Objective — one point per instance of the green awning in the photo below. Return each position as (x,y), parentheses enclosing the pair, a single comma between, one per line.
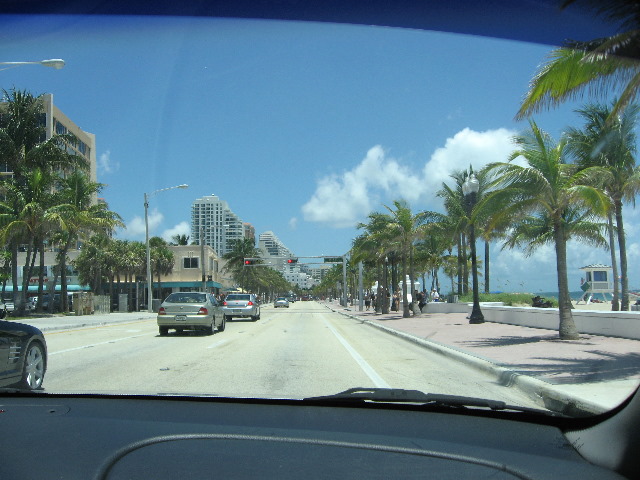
(34,288)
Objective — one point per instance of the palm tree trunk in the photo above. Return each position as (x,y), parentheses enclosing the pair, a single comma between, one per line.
(414,303)
(465,266)
(459,247)
(567,327)
(622,245)
(405,300)
(14,271)
(486,267)
(41,276)
(615,301)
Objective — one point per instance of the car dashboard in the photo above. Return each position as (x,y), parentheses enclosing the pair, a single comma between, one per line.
(101,437)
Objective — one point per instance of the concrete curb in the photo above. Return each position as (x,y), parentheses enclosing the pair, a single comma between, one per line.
(541,392)
(80,324)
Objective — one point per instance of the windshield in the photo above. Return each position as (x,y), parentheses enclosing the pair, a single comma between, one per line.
(186,298)
(389,179)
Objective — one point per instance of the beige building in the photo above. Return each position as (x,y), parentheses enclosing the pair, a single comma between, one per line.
(188,272)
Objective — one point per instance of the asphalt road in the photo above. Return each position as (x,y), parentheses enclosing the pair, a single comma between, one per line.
(302,351)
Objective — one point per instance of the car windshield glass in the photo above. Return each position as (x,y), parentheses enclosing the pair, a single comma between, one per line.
(442,231)
(239,297)
(186,298)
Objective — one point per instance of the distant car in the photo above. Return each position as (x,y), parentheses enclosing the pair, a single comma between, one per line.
(3,309)
(241,305)
(23,356)
(281,302)
(305,298)
(292,299)
(190,311)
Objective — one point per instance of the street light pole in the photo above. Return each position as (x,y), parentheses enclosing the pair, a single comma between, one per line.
(470,189)
(56,63)
(146,234)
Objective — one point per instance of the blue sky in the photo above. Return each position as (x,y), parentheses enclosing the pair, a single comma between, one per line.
(302,128)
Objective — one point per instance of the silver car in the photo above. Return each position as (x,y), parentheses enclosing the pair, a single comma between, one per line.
(281,302)
(190,310)
(241,305)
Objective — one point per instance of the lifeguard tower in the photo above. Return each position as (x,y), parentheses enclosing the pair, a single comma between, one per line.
(596,281)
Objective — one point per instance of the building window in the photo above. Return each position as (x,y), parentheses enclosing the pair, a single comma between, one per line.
(190,262)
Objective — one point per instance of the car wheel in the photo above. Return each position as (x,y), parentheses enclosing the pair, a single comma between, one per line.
(33,370)
(229,318)
(163,331)
(3,313)
(209,330)
(223,324)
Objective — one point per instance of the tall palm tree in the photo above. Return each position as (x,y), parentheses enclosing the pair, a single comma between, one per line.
(78,217)
(594,66)
(376,243)
(241,249)
(406,228)
(546,187)
(610,142)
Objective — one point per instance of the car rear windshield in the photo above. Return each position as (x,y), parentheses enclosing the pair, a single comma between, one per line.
(186,298)
(238,297)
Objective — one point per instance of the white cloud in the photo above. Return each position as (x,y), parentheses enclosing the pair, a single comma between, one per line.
(293,223)
(343,200)
(465,148)
(106,165)
(135,228)
(183,228)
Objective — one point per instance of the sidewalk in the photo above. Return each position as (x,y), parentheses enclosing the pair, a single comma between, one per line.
(592,374)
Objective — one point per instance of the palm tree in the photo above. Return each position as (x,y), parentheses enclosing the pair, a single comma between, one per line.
(78,218)
(180,239)
(375,244)
(406,228)
(550,189)
(595,66)
(610,142)
(241,249)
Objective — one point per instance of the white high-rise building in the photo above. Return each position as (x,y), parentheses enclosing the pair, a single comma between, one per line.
(218,224)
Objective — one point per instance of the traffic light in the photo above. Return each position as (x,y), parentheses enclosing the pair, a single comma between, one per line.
(292,260)
(249,261)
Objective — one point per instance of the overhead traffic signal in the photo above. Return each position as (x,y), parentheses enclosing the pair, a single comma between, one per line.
(292,260)
(249,261)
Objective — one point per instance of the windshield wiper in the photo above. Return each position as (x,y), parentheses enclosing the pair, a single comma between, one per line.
(401,395)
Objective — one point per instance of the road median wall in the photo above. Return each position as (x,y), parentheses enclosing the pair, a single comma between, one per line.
(607,323)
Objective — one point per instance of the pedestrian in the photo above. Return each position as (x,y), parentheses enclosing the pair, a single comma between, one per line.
(421,300)
(367,302)
(435,295)
(394,302)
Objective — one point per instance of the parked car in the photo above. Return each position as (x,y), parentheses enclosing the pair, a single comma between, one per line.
(190,311)
(23,356)
(281,302)
(241,305)
(3,309)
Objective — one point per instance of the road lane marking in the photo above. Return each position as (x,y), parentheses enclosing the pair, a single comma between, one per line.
(368,369)
(95,344)
(94,327)
(217,344)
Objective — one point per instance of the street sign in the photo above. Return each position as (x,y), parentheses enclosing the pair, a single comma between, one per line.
(332,259)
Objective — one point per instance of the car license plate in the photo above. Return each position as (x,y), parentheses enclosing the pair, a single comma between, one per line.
(236,310)
(181,318)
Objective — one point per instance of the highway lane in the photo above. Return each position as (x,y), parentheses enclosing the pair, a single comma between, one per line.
(305,350)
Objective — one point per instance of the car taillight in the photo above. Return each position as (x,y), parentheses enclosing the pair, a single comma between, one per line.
(162,311)
(249,303)
(203,311)
(224,303)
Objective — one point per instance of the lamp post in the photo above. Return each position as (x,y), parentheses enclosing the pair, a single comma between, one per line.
(56,63)
(470,190)
(146,231)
